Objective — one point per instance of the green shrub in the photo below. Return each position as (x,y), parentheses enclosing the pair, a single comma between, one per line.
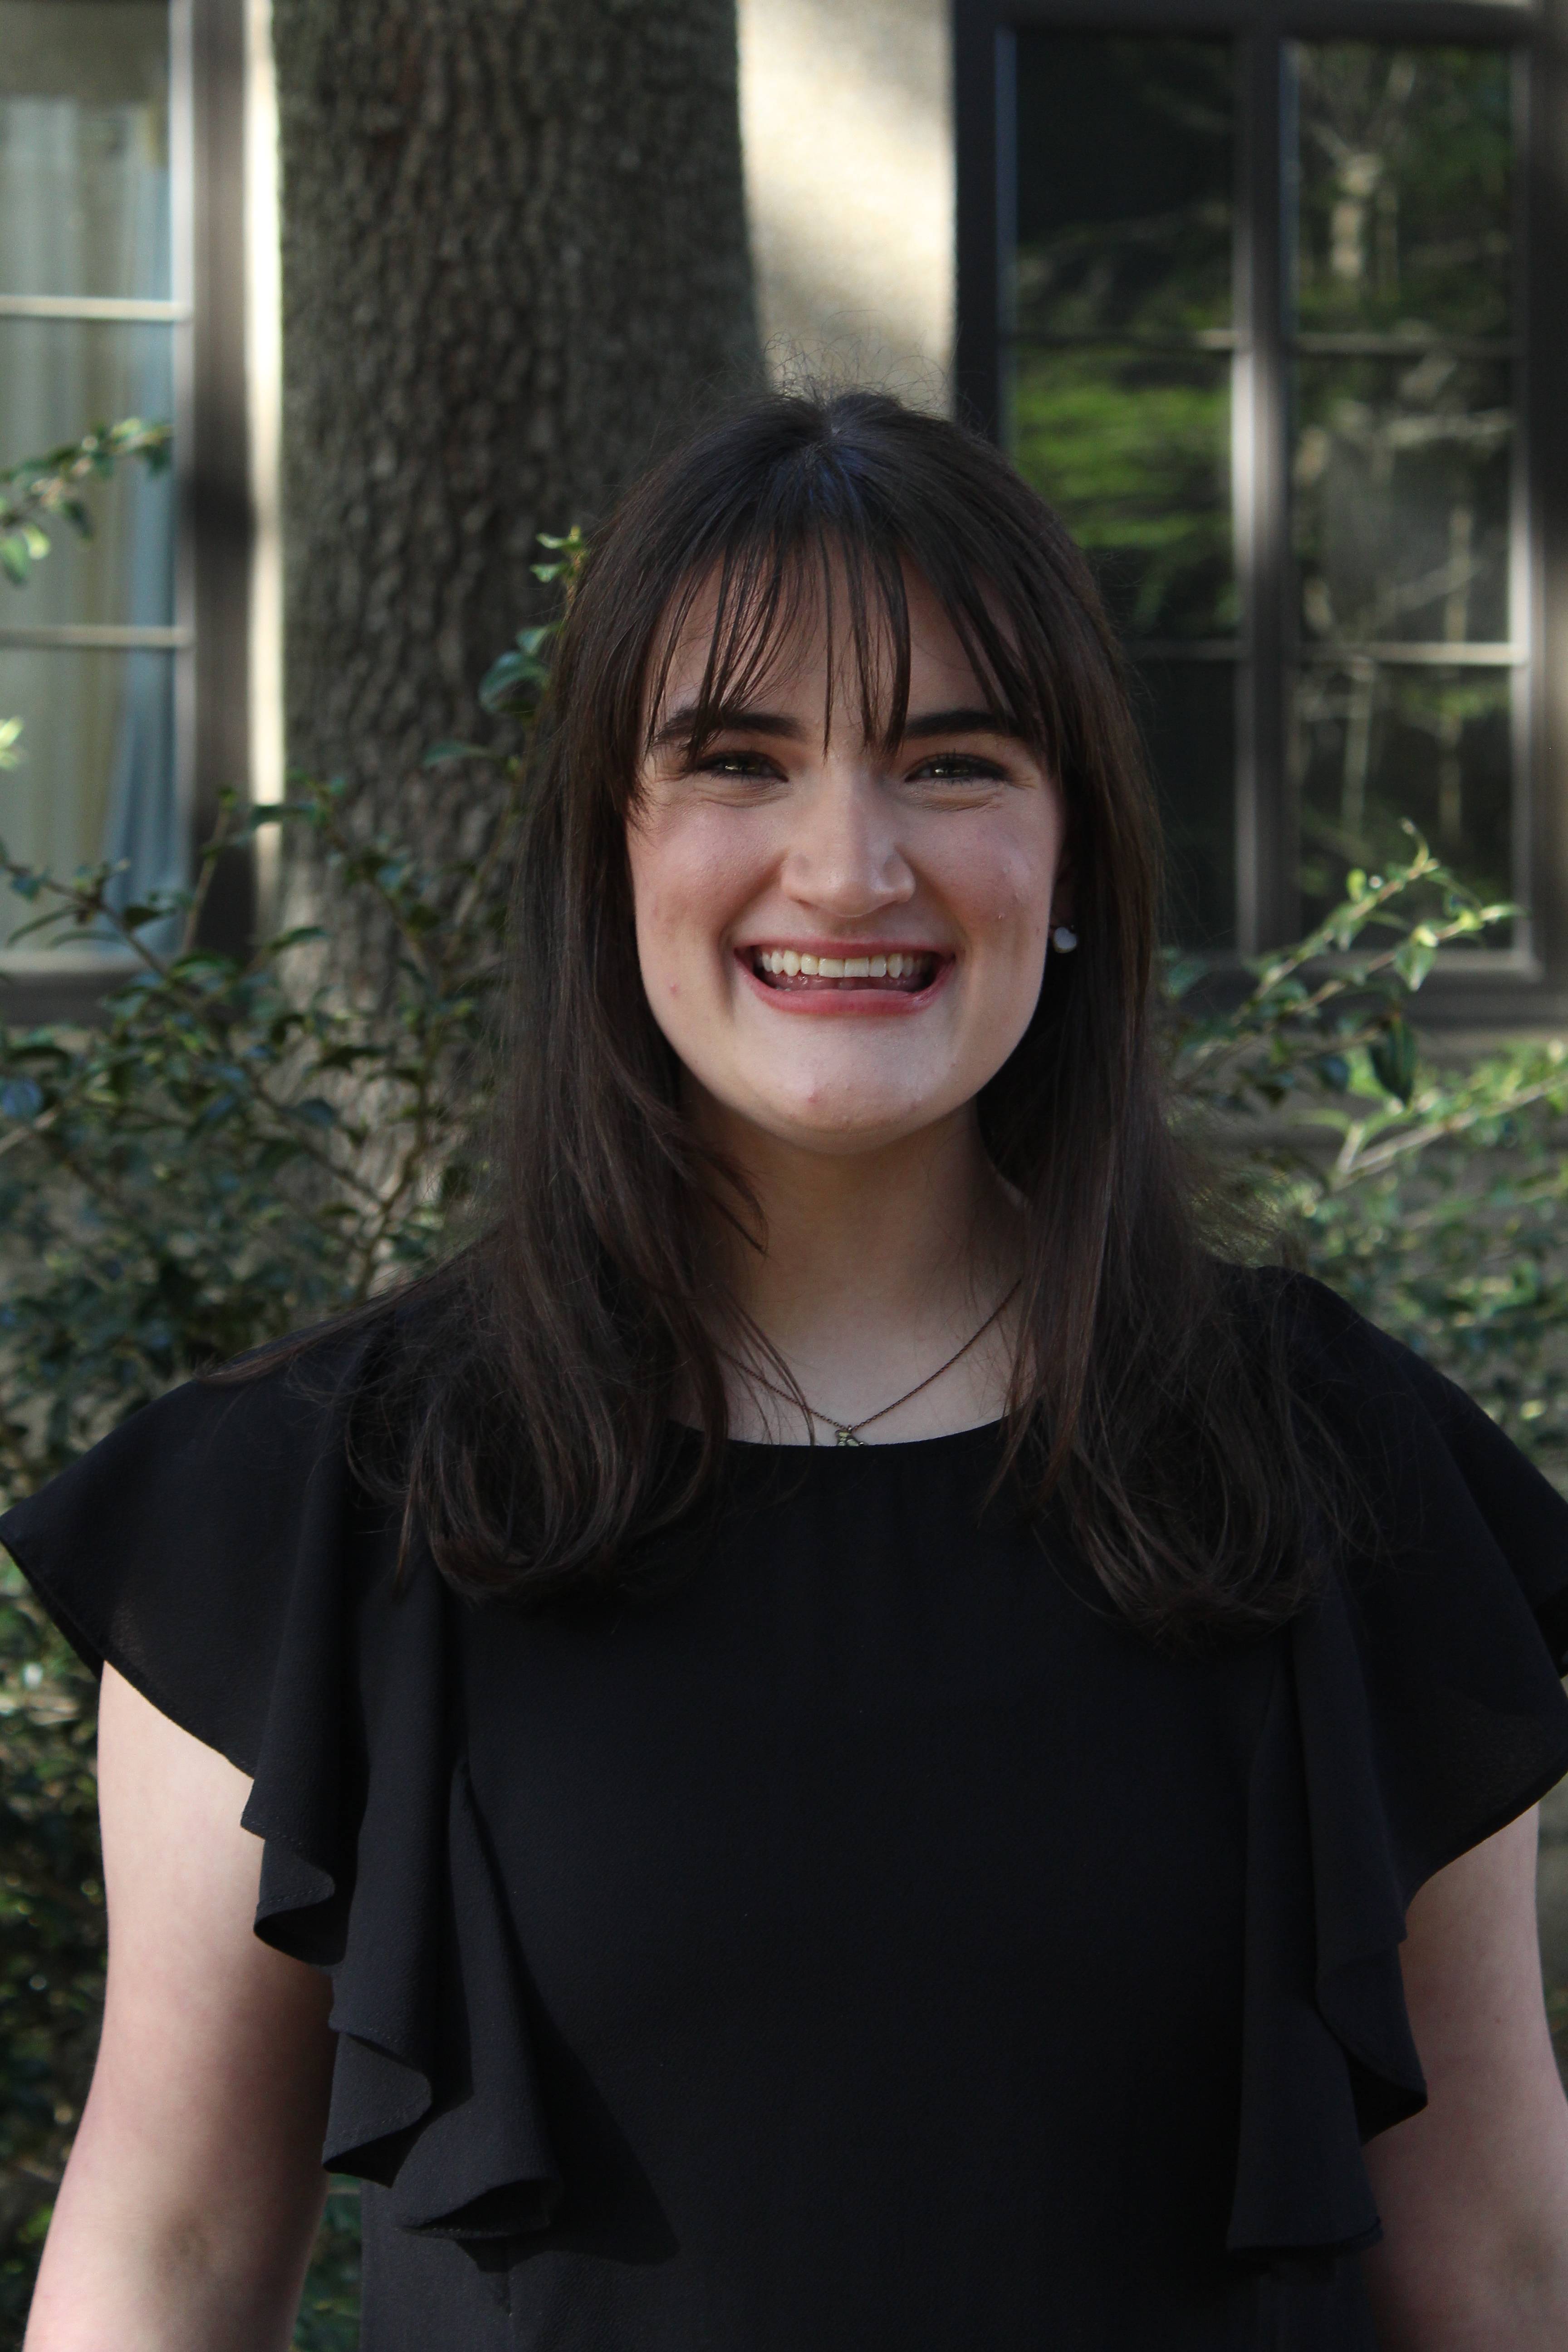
(1432,1192)
(238,1148)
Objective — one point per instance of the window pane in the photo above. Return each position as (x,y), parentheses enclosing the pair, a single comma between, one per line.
(97,774)
(1405,189)
(1134,450)
(1376,743)
(84,148)
(1188,714)
(57,377)
(1402,498)
(1125,170)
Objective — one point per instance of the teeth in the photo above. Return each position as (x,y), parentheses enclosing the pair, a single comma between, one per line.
(787,963)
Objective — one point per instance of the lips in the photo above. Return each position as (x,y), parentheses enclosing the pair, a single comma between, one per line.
(899,971)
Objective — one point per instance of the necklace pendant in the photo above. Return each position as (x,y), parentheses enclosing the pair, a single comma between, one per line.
(846,1437)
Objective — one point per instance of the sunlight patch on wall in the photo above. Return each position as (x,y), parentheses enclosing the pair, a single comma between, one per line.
(847,119)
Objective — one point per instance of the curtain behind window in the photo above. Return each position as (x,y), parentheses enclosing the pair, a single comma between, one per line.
(85,214)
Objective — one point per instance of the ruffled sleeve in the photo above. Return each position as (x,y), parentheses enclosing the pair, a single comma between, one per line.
(1416,1709)
(218,1552)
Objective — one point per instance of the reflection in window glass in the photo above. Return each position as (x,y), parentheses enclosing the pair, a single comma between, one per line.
(1132,448)
(1406,162)
(1402,456)
(1121,407)
(1398,388)
(1125,170)
(1120,401)
(84,148)
(1378,745)
(1402,498)
(1188,715)
(97,775)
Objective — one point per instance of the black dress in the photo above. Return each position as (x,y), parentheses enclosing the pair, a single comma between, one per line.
(860,1942)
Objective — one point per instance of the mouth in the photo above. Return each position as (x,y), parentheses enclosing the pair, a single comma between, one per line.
(900,971)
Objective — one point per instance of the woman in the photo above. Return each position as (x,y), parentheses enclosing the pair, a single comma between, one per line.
(828,1736)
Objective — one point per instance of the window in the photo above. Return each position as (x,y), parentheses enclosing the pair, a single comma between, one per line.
(1243,290)
(92,310)
(122,276)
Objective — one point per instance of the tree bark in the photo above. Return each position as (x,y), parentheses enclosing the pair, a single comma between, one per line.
(514,253)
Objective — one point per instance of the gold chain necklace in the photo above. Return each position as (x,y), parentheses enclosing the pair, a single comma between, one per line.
(848,1433)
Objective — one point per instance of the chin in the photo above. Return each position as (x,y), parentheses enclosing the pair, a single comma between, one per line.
(843,1131)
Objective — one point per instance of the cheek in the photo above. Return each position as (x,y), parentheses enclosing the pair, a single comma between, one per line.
(692,878)
(1000,887)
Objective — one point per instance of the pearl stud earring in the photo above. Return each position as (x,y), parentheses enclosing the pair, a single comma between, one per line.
(1063,940)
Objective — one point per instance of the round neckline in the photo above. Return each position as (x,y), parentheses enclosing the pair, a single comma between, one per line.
(774,1451)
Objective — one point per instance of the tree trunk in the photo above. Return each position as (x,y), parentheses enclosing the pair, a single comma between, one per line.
(515,252)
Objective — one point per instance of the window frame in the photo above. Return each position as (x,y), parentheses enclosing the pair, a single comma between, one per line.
(209,637)
(1528,983)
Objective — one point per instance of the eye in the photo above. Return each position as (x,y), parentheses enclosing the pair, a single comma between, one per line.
(957,767)
(753,766)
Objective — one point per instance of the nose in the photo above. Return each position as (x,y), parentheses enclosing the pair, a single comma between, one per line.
(844,856)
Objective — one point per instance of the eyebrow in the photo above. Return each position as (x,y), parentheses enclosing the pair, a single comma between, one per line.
(728,719)
(961,722)
(734,718)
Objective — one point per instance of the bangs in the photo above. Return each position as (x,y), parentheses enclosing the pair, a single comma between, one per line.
(812,556)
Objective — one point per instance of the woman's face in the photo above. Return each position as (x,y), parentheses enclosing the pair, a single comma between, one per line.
(843,945)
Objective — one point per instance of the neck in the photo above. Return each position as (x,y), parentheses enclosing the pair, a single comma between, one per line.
(876,1265)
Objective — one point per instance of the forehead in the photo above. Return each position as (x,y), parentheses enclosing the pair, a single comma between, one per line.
(816,634)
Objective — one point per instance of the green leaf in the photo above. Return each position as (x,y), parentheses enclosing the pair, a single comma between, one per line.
(512,682)
(441,755)
(302,935)
(1395,1055)
(1414,958)
(21,1099)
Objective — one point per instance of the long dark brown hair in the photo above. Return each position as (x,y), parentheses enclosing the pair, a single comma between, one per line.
(530,1380)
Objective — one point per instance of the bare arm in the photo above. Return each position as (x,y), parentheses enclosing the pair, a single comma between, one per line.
(1474,2192)
(184,2220)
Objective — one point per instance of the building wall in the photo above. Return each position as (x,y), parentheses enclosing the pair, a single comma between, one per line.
(846,117)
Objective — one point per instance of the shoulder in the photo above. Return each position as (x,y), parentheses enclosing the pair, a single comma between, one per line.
(1340,1363)
(1441,1500)
(182,1546)
(1322,1330)
(278,1412)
